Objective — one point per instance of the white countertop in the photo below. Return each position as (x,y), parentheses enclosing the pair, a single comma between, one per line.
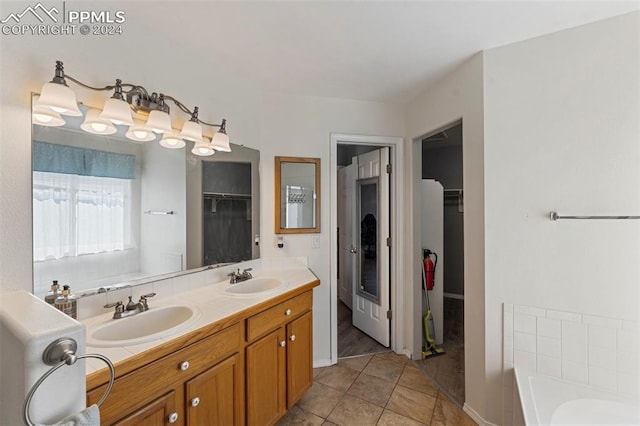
(210,301)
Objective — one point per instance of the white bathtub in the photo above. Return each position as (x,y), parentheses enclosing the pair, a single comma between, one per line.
(549,401)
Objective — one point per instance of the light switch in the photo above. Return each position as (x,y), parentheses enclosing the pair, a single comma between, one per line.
(315,242)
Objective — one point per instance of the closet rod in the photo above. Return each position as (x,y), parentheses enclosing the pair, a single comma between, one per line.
(556,216)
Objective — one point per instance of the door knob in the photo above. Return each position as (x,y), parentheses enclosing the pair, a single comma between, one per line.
(184,366)
(283,343)
(353,250)
(287,312)
(195,402)
(293,337)
(173,417)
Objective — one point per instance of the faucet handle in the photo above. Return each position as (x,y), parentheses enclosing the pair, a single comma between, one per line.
(247,270)
(118,305)
(144,296)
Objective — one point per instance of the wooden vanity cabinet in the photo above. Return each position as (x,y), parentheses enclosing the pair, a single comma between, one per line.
(279,366)
(167,388)
(250,372)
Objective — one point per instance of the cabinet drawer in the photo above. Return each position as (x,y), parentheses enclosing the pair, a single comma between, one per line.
(280,314)
(132,390)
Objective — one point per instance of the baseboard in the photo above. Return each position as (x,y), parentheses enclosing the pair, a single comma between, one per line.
(453,296)
(475,416)
(321,363)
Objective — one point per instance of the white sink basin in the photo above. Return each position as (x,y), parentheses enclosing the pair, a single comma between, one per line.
(254,286)
(153,324)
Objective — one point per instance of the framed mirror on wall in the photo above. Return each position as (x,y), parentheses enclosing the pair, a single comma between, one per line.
(297,193)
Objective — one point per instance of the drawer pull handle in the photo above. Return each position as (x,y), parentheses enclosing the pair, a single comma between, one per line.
(287,312)
(283,343)
(195,402)
(173,417)
(293,337)
(184,366)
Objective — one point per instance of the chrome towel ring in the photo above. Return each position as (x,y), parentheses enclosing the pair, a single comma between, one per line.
(63,352)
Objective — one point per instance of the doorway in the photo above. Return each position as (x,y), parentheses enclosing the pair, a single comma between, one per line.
(363,257)
(351,146)
(442,166)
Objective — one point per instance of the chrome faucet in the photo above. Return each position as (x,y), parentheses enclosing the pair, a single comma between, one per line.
(237,277)
(122,311)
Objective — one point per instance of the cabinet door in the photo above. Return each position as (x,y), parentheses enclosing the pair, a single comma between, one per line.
(214,397)
(266,392)
(158,412)
(299,358)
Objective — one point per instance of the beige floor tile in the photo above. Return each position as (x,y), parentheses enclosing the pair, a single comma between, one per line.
(298,417)
(328,423)
(392,356)
(372,389)
(320,400)
(357,363)
(352,411)
(384,369)
(415,379)
(447,413)
(411,403)
(337,376)
(389,418)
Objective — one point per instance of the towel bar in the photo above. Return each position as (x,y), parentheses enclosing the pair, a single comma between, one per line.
(63,352)
(556,216)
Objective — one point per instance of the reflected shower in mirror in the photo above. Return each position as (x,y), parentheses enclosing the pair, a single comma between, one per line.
(110,211)
(367,202)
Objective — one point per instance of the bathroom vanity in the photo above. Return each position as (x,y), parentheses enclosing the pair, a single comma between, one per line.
(246,359)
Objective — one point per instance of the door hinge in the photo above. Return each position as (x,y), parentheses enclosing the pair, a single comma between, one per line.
(388,241)
(389,314)
(388,168)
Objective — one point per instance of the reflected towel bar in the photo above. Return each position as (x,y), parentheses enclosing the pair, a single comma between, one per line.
(556,216)
(159,212)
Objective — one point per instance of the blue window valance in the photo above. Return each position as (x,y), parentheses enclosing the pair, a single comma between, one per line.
(53,158)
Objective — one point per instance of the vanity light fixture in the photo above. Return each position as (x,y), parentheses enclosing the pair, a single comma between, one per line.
(47,117)
(94,123)
(57,98)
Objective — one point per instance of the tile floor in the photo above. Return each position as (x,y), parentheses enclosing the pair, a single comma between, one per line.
(380,389)
(448,370)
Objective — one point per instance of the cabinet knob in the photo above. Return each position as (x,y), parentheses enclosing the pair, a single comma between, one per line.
(173,417)
(287,312)
(195,402)
(293,337)
(283,343)
(184,366)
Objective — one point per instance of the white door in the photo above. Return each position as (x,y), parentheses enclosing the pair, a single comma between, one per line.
(371,230)
(346,210)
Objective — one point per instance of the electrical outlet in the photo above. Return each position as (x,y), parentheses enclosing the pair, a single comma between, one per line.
(315,242)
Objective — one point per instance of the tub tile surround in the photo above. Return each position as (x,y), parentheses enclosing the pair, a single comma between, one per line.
(587,349)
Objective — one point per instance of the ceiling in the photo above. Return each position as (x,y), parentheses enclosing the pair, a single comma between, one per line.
(387,51)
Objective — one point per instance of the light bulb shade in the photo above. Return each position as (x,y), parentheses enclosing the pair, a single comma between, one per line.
(46,117)
(191,131)
(139,132)
(117,111)
(202,149)
(159,122)
(93,123)
(220,142)
(59,98)
(172,141)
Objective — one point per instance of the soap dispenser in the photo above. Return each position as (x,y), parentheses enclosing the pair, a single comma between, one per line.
(51,297)
(67,302)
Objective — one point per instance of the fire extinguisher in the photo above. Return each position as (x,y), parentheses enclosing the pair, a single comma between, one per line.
(430,268)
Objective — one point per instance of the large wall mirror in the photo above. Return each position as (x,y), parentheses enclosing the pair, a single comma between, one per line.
(297,206)
(109,211)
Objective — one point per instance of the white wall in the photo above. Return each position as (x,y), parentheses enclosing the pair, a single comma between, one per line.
(561,133)
(274,123)
(458,95)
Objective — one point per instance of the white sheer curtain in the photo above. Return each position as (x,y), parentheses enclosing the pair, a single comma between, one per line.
(75,215)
